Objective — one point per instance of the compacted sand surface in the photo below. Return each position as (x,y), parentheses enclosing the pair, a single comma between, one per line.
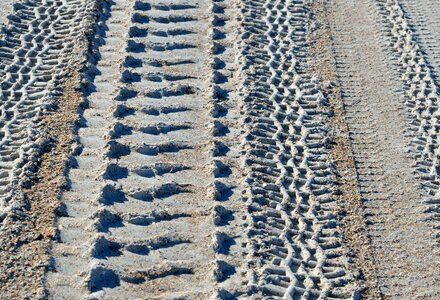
(5,10)
(219,149)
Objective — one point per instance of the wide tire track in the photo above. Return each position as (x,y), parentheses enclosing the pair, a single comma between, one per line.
(152,201)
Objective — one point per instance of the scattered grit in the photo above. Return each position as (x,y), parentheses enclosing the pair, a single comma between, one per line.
(219,149)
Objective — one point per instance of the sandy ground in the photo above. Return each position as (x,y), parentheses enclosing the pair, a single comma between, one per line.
(387,182)
(225,149)
(5,10)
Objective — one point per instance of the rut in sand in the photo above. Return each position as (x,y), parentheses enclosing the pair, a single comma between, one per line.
(149,190)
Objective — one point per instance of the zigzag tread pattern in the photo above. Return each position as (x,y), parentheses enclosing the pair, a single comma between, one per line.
(424,21)
(36,47)
(295,249)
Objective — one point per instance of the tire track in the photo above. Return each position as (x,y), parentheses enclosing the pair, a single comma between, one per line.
(150,227)
(71,257)
(229,210)
(424,22)
(421,100)
(377,122)
(295,249)
(204,162)
(44,42)
(35,49)
(350,204)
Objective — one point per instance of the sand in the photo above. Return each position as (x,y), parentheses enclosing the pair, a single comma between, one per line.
(5,10)
(219,149)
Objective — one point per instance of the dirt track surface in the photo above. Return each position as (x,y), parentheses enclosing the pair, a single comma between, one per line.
(224,149)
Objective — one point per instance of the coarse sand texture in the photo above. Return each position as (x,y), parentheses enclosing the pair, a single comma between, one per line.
(219,149)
